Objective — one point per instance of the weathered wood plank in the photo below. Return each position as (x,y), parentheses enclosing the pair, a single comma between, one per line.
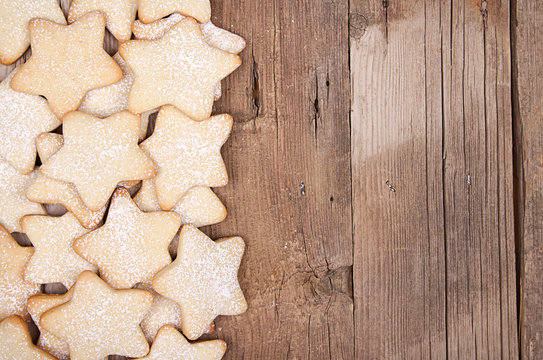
(432,116)
(528,95)
(289,195)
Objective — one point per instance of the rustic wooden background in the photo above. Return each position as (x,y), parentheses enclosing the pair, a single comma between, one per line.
(386,166)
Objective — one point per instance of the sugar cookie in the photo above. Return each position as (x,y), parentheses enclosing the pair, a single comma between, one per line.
(111,99)
(213,35)
(67,61)
(203,280)
(39,304)
(14,290)
(54,260)
(100,321)
(151,10)
(98,154)
(119,14)
(22,118)
(45,190)
(13,202)
(170,344)
(187,153)
(179,69)
(132,246)
(16,343)
(199,206)
(14,18)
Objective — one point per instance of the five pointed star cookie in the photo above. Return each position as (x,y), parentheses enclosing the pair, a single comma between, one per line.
(100,321)
(111,99)
(45,190)
(16,343)
(14,18)
(213,35)
(39,304)
(14,290)
(66,62)
(13,202)
(98,154)
(187,153)
(170,344)
(54,260)
(132,246)
(203,280)
(119,14)
(22,118)
(151,10)
(199,206)
(179,69)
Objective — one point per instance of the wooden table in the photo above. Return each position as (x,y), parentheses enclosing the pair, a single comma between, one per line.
(386,173)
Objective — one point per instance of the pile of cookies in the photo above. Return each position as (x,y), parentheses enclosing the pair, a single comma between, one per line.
(127,192)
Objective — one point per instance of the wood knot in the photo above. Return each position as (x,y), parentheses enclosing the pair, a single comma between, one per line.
(357,26)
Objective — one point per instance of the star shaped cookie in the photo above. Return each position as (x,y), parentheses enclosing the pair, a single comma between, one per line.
(14,290)
(170,344)
(199,206)
(54,260)
(45,190)
(39,304)
(151,10)
(14,18)
(16,343)
(187,153)
(22,118)
(119,14)
(180,69)
(100,321)
(13,202)
(98,154)
(213,35)
(203,280)
(67,61)
(111,99)
(132,246)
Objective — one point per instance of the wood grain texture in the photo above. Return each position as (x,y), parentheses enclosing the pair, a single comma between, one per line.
(528,93)
(432,180)
(289,194)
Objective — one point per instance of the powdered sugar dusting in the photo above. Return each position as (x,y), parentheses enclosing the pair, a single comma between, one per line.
(64,77)
(100,321)
(179,69)
(14,18)
(151,10)
(54,260)
(203,280)
(186,153)
(14,290)
(111,99)
(199,206)
(163,312)
(132,246)
(171,345)
(50,191)
(98,154)
(119,14)
(13,202)
(22,118)
(16,343)
(39,304)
